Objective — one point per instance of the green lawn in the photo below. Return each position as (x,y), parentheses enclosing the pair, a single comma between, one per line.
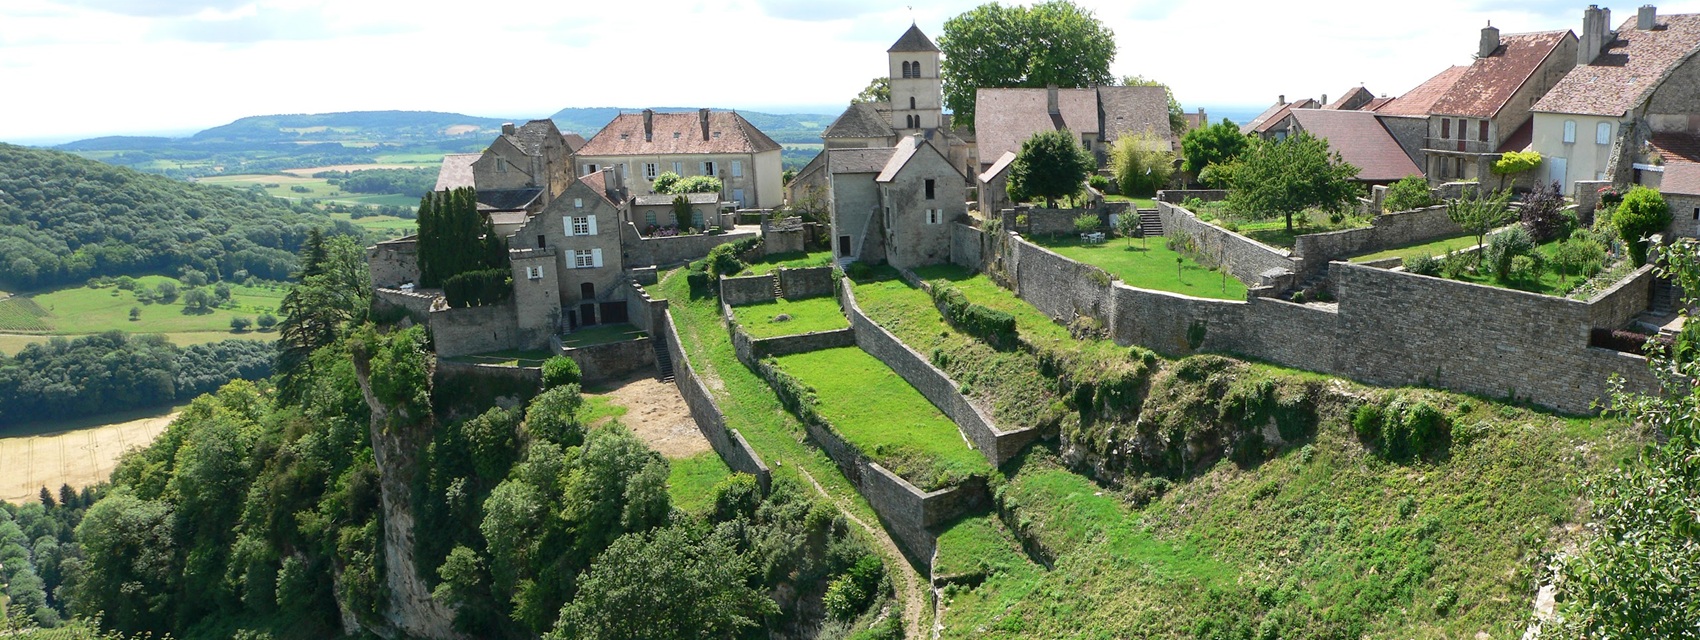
(691,481)
(602,334)
(792,260)
(1273,232)
(1549,283)
(877,412)
(507,358)
(81,310)
(806,316)
(1149,264)
(1138,203)
(1436,248)
(976,547)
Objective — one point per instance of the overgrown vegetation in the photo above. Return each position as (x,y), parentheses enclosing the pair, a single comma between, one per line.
(113,371)
(1410,192)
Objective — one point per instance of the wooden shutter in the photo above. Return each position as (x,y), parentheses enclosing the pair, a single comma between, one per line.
(592,220)
(572,259)
(567,225)
(596,257)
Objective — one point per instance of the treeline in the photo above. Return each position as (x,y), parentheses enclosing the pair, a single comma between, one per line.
(115,371)
(460,252)
(408,182)
(65,219)
(38,552)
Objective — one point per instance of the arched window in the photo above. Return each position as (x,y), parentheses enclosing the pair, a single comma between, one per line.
(906,68)
(911,102)
(917,67)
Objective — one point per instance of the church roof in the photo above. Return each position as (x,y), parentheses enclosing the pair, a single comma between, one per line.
(912,40)
(861,120)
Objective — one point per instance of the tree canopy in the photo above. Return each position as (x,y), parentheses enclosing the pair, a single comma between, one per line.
(1642,213)
(1211,145)
(1288,176)
(1050,165)
(878,91)
(455,237)
(994,46)
(1142,163)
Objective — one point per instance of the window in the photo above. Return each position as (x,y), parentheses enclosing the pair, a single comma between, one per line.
(911,102)
(583,259)
(675,135)
(541,242)
(578,203)
(679,168)
(534,273)
(1462,135)
(650,170)
(501,165)
(737,169)
(905,68)
(581,226)
(649,217)
(934,216)
(717,135)
(589,169)
(1602,133)
(1445,128)
(1697,213)
(1484,131)
(929,189)
(708,168)
(1569,131)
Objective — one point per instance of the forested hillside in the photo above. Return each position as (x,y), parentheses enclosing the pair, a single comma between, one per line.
(64,219)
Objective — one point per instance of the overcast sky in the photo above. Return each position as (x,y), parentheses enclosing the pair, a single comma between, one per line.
(77,68)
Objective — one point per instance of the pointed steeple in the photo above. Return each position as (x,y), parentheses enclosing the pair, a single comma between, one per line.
(912,40)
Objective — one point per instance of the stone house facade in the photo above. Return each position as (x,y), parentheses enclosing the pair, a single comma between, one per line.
(721,144)
(893,205)
(1486,111)
(575,243)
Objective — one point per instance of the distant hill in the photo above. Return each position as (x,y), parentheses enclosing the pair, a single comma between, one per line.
(65,219)
(394,127)
(795,128)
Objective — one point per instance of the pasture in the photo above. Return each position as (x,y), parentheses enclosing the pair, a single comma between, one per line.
(74,311)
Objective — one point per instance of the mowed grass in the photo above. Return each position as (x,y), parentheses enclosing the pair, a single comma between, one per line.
(1149,264)
(807,315)
(794,260)
(81,310)
(602,334)
(1436,248)
(691,481)
(508,358)
(880,414)
(1138,203)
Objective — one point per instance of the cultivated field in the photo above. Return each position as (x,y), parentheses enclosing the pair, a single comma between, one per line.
(81,310)
(77,452)
(284,186)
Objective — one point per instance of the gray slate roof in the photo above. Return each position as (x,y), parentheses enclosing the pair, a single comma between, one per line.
(859,121)
(456,171)
(912,40)
(858,160)
(508,199)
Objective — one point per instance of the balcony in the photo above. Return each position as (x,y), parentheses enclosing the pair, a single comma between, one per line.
(1454,145)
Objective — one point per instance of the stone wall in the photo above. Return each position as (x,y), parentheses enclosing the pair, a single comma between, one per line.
(807,282)
(1049,222)
(802,343)
(675,250)
(614,360)
(937,387)
(739,291)
(417,305)
(1386,231)
(469,330)
(394,263)
(1615,307)
(1245,258)
(1179,196)
(706,412)
(1588,196)
(967,247)
(644,312)
(1059,287)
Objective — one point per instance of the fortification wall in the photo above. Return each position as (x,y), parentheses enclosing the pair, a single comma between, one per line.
(739,291)
(807,282)
(469,330)
(416,305)
(1173,324)
(967,246)
(706,412)
(1059,287)
(675,250)
(614,360)
(642,311)
(393,263)
(1386,231)
(1245,258)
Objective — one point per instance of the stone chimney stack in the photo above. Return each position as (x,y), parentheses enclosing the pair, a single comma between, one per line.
(1051,100)
(1647,18)
(1324,99)
(702,117)
(1281,100)
(648,125)
(1490,41)
(507,128)
(1596,27)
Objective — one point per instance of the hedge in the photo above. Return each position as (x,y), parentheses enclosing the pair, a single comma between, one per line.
(478,288)
(983,322)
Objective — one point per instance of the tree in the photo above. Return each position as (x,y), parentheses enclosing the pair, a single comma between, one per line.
(993,45)
(1543,213)
(1410,192)
(878,91)
(1142,163)
(135,313)
(167,292)
(1289,176)
(221,292)
(1478,213)
(664,182)
(240,324)
(198,300)
(1577,255)
(1642,213)
(1127,226)
(1050,165)
(266,321)
(1210,145)
(560,370)
(1177,118)
(334,293)
(1514,162)
(698,184)
(682,212)
(1638,575)
(454,238)
(672,583)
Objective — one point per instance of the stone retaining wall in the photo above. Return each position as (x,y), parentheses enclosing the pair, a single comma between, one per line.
(674,250)
(742,290)
(997,445)
(642,311)
(1615,307)
(468,330)
(806,282)
(1179,196)
(967,246)
(727,442)
(1245,258)
(614,360)
(416,305)
(1386,231)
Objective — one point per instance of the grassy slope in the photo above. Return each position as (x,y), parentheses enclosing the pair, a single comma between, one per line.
(1149,264)
(690,481)
(1436,248)
(789,261)
(81,310)
(877,412)
(807,315)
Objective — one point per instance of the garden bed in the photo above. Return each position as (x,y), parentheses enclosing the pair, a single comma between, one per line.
(807,315)
(1149,264)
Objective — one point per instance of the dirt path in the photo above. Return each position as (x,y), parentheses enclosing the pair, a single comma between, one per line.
(657,414)
(78,458)
(913,602)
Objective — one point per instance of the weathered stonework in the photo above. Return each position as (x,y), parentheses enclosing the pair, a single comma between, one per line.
(807,282)
(726,441)
(1244,258)
(469,330)
(1386,231)
(967,247)
(674,250)
(394,262)
(739,291)
(612,361)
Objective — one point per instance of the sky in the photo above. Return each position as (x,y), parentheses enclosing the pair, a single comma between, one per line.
(79,68)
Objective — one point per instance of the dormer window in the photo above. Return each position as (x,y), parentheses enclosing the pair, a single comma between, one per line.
(717,135)
(624,136)
(675,135)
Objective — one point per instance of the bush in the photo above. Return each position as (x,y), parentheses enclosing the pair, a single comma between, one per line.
(977,320)
(1423,265)
(267,321)
(1527,268)
(1407,194)
(240,323)
(1642,213)
(559,371)
(1086,223)
(1402,428)
(1101,183)
(478,288)
(852,592)
(698,280)
(1504,247)
(1618,340)
(1543,214)
(723,261)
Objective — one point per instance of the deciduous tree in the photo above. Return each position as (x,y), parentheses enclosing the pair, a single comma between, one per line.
(1142,163)
(1050,165)
(1212,144)
(878,91)
(1514,162)
(993,45)
(1478,213)
(1286,177)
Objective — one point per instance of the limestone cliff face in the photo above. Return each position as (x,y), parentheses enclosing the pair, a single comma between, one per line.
(398,438)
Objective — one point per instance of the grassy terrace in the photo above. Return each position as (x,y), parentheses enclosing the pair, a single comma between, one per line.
(806,315)
(1138,203)
(1436,248)
(507,358)
(979,546)
(877,412)
(1149,264)
(789,261)
(604,334)
(690,481)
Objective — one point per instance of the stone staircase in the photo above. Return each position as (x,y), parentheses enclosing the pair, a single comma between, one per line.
(663,361)
(778,291)
(1663,299)
(1150,225)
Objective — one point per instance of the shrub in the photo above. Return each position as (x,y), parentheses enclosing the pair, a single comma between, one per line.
(852,592)
(1618,340)
(723,261)
(1642,213)
(1423,265)
(977,320)
(698,280)
(1086,223)
(478,288)
(1366,421)
(167,292)
(1409,193)
(1101,183)
(1454,264)
(1504,247)
(240,323)
(1528,268)
(559,371)
(1543,214)
(267,321)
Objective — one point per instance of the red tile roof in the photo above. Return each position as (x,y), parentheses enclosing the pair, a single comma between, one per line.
(1676,146)
(1420,101)
(1629,69)
(599,185)
(678,133)
(456,171)
(1488,83)
(1361,140)
(1283,112)
(1005,118)
(1681,178)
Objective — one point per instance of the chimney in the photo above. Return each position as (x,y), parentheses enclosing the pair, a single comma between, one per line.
(1490,41)
(1281,100)
(648,125)
(1324,100)
(702,115)
(1051,100)
(507,128)
(1595,25)
(1647,18)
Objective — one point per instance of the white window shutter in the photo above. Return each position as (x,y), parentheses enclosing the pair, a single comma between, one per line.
(572,259)
(596,257)
(592,220)
(567,225)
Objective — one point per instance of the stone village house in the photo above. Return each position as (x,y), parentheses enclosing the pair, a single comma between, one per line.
(721,144)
